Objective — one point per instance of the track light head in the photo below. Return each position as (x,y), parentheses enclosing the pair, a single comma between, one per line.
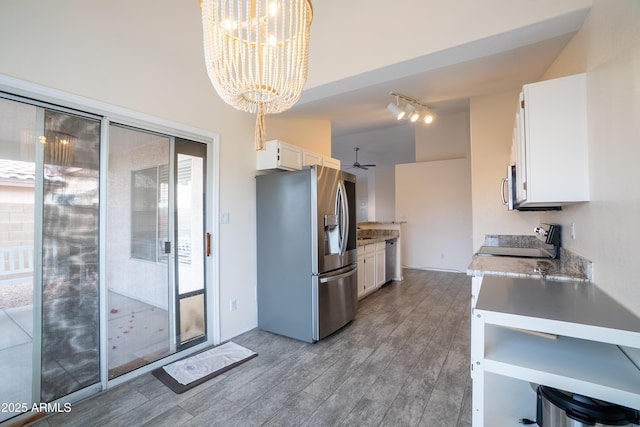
(428,118)
(396,111)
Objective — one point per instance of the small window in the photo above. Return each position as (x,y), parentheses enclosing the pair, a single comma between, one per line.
(149,205)
(149,209)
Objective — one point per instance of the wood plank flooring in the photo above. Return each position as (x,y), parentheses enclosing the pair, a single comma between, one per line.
(403,361)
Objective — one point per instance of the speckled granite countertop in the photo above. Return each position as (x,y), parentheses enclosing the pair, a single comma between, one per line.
(370,241)
(568,267)
(369,237)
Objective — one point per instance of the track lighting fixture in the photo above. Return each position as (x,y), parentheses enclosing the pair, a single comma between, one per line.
(409,108)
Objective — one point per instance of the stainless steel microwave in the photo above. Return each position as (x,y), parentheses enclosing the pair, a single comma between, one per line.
(509,198)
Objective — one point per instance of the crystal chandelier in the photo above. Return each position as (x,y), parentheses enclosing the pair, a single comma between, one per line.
(256,53)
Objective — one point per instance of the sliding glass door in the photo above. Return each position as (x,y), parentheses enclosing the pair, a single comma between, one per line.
(155,247)
(88,244)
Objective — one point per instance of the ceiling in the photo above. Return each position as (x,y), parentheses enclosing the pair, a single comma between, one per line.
(444,80)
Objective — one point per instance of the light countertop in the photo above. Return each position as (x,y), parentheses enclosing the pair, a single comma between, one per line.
(369,237)
(527,268)
(567,267)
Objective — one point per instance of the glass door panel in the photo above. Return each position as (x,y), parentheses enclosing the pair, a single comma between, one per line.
(70,293)
(192,241)
(139,301)
(49,187)
(18,136)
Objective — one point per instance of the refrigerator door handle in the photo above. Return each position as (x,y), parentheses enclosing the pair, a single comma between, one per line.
(344,216)
(327,279)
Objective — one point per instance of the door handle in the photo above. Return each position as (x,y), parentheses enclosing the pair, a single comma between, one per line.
(502,185)
(338,276)
(208,244)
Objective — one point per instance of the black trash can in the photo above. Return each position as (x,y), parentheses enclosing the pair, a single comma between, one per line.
(557,408)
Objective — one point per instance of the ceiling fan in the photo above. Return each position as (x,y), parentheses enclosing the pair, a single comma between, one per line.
(357,165)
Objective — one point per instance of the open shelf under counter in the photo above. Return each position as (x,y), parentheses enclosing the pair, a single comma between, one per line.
(590,368)
(565,335)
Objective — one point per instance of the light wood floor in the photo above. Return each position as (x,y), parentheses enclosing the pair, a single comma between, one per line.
(403,361)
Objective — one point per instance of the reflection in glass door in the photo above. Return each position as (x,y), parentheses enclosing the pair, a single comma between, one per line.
(154,247)
(70,230)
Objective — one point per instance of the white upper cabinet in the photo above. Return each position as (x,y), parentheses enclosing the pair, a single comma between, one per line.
(313,158)
(330,162)
(550,143)
(281,155)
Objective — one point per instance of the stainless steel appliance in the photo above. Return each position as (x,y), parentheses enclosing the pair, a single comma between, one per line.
(307,260)
(558,408)
(390,259)
(509,197)
(549,234)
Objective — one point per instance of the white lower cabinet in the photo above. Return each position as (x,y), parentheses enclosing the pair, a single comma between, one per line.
(371,268)
(361,289)
(565,335)
(380,263)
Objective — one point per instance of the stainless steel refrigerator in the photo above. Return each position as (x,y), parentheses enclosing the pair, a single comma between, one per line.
(307,260)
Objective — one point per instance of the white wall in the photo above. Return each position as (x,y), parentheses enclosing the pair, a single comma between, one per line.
(385,191)
(446,138)
(492,121)
(434,198)
(608,49)
(314,135)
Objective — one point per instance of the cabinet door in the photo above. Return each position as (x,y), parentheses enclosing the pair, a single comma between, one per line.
(311,158)
(361,272)
(380,264)
(553,163)
(290,157)
(331,162)
(369,272)
(279,155)
(519,152)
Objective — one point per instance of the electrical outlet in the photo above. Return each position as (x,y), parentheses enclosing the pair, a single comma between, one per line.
(233,305)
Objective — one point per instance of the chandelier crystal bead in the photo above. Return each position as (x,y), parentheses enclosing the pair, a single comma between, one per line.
(256,53)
